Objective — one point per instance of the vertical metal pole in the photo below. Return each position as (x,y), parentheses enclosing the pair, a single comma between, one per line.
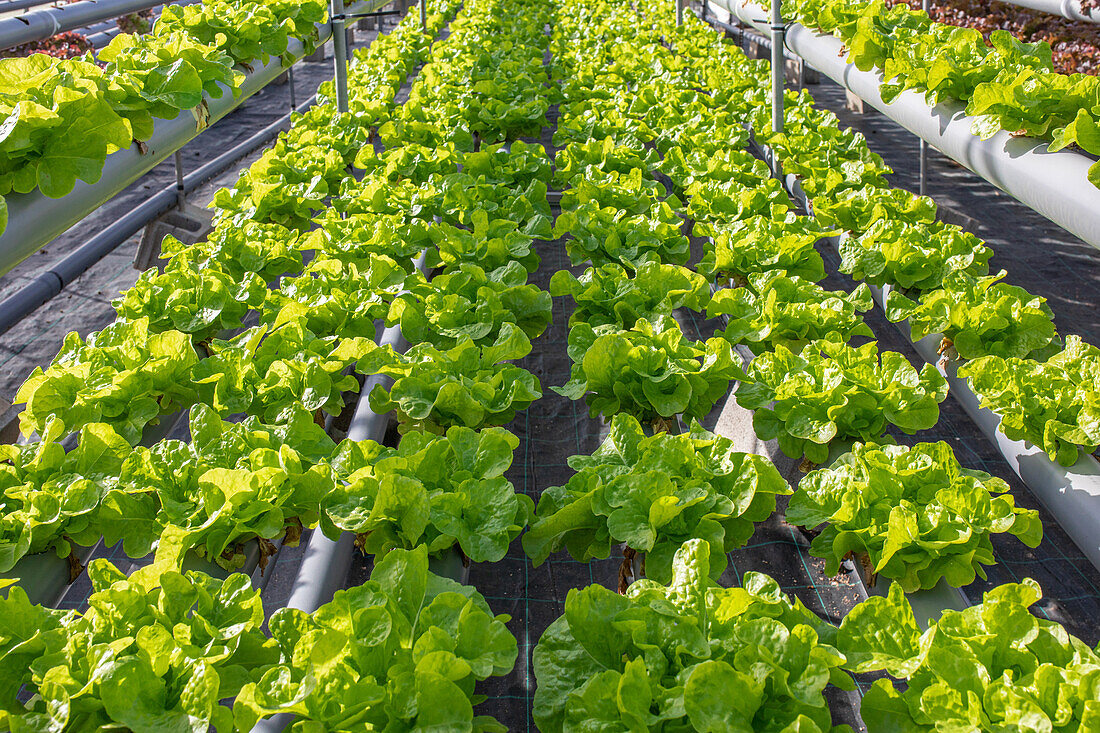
(703,12)
(340,53)
(778,32)
(181,193)
(293,95)
(923,145)
(679,12)
(424,15)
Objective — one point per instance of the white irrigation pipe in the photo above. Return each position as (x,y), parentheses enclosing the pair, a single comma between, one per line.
(1054,184)
(1069,9)
(34,219)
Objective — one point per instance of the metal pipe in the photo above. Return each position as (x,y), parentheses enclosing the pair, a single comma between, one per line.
(50,283)
(339,53)
(1055,185)
(424,15)
(181,192)
(778,30)
(39,24)
(679,12)
(923,144)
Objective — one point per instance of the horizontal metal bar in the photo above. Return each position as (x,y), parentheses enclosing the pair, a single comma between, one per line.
(1055,185)
(51,282)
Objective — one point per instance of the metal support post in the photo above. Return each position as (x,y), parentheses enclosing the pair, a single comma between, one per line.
(679,12)
(424,15)
(340,53)
(293,96)
(703,11)
(181,192)
(778,31)
(923,145)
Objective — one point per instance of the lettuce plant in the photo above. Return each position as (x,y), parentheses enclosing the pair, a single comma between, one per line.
(400,236)
(649,371)
(832,392)
(463,197)
(201,301)
(775,308)
(1054,405)
(609,295)
(857,209)
(489,244)
(686,165)
(59,125)
(269,250)
(50,497)
(734,200)
(763,244)
(233,482)
(439,491)
(609,234)
(688,656)
(401,652)
(126,376)
(265,369)
(912,256)
(465,385)
(604,156)
(469,302)
(979,316)
(913,515)
(341,296)
(653,493)
(994,666)
(158,76)
(149,653)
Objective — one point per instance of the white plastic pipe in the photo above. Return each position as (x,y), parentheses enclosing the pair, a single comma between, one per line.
(1070,9)
(1054,184)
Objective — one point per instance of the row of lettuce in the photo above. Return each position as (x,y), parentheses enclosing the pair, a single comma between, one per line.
(161,650)
(405,649)
(1005,83)
(63,117)
(677,652)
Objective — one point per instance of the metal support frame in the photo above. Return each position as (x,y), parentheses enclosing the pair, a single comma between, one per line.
(778,31)
(923,162)
(339,53)
(424,15)
(679,12)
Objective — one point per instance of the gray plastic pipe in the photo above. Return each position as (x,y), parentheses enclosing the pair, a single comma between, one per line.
(1054,184)
(34,220)
(51,282)
(39,24)
(324,568)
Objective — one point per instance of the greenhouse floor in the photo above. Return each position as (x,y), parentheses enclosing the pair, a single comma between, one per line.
(1038,256)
